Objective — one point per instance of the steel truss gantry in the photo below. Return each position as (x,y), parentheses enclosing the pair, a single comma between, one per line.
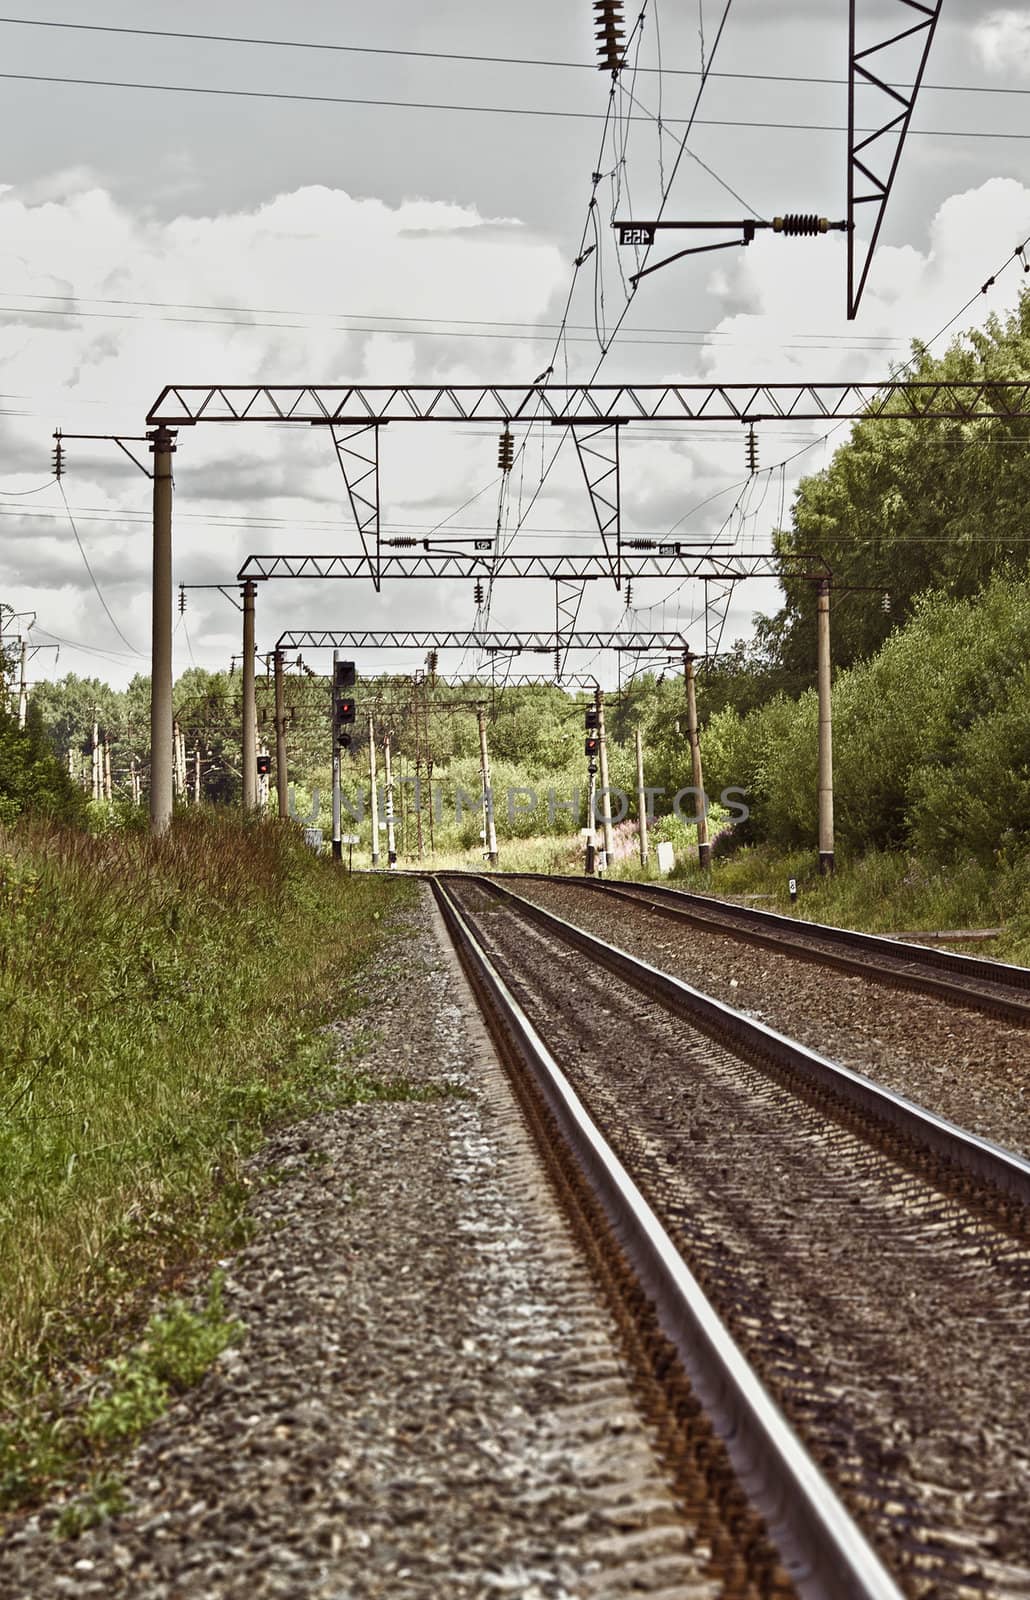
(500,641)
(576,404)
(360,407)
(434,564)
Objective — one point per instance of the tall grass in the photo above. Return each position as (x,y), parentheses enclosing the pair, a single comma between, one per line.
(883,891)
(160,1000)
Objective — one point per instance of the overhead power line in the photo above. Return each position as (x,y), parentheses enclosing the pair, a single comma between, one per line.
(247,319)
(486,111)
(398,316)
(92,575)
(456,55)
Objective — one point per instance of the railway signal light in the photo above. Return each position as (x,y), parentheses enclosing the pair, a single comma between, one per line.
(591,719)
(506,451)
(591,746)
(344,678)
(264,766)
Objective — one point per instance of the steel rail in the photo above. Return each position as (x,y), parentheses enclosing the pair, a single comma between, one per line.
(826,1554)
(771,930)
(966,1153)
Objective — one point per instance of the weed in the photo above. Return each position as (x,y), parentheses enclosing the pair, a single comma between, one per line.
(178,1347)
(105,1497)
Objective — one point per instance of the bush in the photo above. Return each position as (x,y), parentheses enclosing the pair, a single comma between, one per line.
(32,780)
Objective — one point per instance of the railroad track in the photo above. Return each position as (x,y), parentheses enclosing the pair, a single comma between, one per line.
(817,1249)
(993,987)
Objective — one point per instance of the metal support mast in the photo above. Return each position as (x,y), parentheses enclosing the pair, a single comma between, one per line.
(873,158)
(248,754)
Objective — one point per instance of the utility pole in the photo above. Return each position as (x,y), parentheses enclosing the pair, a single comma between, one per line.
(162,446)
(281,779)
(337,831)
(606,799)
(196,775)
(826,861)
(248,760)
(489,830)
(641,801)
(108,785)
(23,691)
(94,782)
(374,790)
(704,849)
(415,688)
(391,842)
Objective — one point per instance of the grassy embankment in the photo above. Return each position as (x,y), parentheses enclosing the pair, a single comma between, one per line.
(889,892)
(163,1002)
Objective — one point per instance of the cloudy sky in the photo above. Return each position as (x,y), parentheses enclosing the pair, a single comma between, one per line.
(399,193)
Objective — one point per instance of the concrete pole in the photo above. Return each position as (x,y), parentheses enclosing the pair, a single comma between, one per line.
(606,799)
(196,775)
(391,842)
(704,849)
(23,691)
(94,752)
(590,864)
(373,789)
(248,758)
(281,775)
(162,446)
(826,861)
(641,801)
(490,840)
(108,785)
(337,804)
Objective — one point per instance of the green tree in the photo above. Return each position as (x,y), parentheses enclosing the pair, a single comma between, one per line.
(907,506)
(32,780)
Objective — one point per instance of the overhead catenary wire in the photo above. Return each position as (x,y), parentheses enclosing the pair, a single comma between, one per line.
(660,212)
(92,576)
(545,332)
(480,110)
(19,493)
(453,55)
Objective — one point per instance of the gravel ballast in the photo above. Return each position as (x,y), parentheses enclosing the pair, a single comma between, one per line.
(972,1069)
(430,1399)
(887,1319)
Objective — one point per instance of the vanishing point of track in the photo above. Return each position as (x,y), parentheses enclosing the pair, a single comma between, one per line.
(871,1262)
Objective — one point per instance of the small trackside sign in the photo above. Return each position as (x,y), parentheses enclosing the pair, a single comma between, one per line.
(635,233)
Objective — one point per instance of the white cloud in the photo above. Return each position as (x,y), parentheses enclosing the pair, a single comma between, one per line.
(292,268)
(287,274)
(1002,41)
